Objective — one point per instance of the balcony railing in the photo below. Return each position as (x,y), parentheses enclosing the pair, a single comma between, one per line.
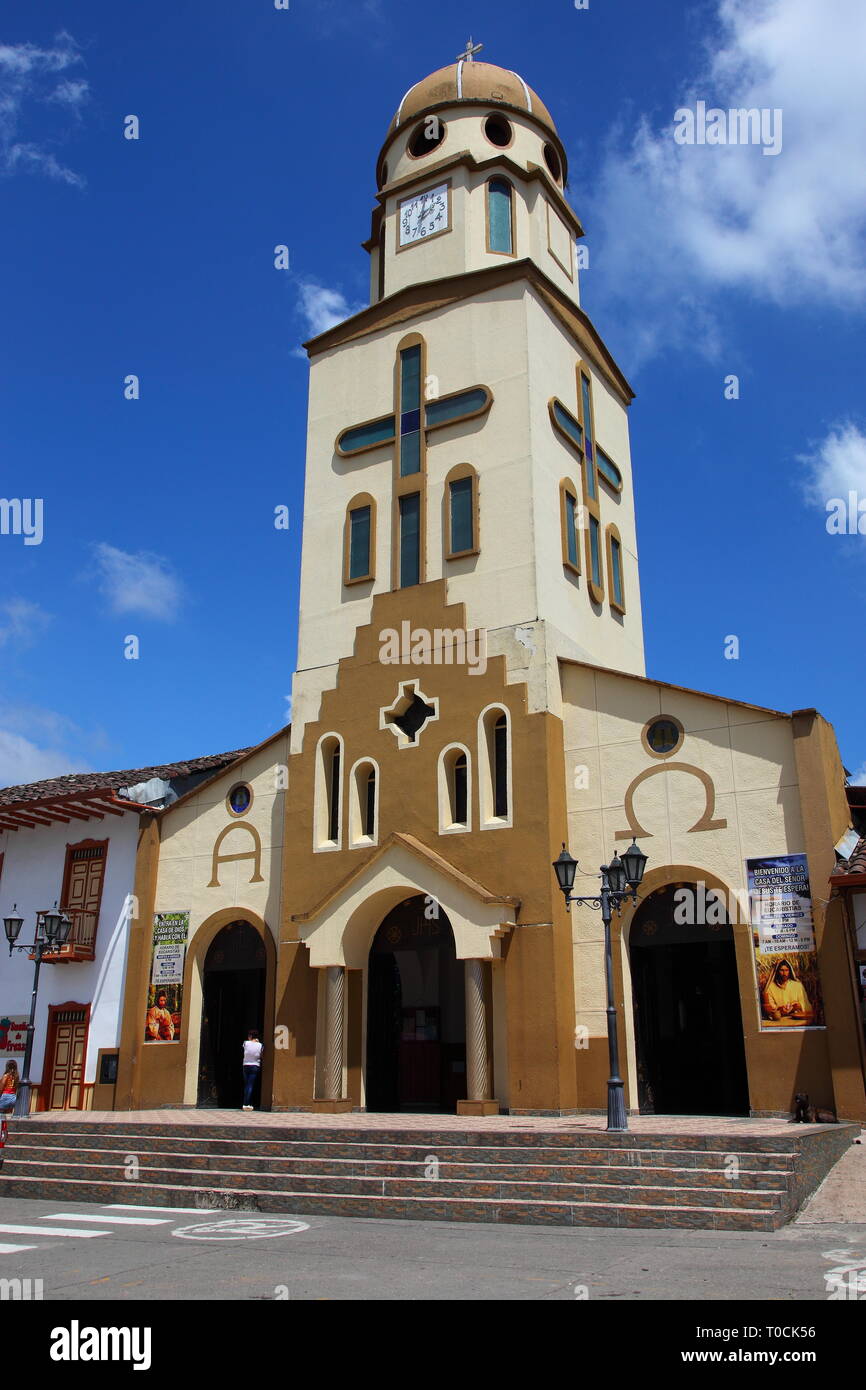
(81,942)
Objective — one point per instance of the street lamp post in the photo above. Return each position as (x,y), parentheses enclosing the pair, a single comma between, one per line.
(56,926)
(620,880)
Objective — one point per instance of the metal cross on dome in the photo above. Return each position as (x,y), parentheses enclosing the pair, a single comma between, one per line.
(471,49)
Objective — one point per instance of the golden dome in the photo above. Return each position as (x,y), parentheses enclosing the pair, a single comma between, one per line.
(472,82)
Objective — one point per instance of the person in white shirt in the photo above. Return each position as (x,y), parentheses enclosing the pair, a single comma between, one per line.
(253,1050)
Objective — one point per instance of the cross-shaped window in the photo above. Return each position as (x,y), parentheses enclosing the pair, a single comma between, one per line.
(594,464)
(417,412)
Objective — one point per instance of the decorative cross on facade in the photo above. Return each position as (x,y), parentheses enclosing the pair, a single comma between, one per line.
(594,464)
(418,411)
(409,714)
(471,49)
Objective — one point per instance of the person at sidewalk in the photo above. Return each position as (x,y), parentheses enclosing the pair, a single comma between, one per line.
(253,1050)
(8,1088)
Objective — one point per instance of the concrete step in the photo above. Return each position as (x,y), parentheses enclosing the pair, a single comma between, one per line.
(131,1141)
(654,1175)
(427,1208)
(444,1188)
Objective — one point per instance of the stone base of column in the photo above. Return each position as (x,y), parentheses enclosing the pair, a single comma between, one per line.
(478,1107)
(331,1107)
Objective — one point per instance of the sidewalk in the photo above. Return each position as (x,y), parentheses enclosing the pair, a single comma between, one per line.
(842,1195)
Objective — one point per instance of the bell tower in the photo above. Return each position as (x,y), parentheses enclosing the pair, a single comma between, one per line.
(470,424)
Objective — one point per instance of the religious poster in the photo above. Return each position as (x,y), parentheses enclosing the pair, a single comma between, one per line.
(783,936)
(13,1037)
(165,993)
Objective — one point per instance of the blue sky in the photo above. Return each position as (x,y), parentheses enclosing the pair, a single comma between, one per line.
(260,127)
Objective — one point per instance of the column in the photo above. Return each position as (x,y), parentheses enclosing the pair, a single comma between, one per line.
(478,1099)
(335,996)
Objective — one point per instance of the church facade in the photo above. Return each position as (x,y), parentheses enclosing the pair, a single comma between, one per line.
(372,889)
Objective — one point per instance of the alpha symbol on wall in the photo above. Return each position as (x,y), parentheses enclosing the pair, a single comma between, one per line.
(255,853)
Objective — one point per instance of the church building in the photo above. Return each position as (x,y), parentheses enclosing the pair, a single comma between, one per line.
(372,888)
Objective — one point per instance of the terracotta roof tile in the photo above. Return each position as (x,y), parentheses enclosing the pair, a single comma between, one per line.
(82,782)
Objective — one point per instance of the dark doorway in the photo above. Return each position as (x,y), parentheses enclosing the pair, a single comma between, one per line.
(689,1029)
(416,1024)
(233,1003)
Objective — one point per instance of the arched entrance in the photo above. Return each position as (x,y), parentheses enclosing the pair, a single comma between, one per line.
(688,1024)
(416,1022)
(233,1002)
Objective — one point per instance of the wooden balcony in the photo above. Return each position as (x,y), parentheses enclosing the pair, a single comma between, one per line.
(81,942)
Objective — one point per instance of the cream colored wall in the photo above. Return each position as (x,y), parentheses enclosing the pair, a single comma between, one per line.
(464,248)
(482,340)
(749,755)
(190,832)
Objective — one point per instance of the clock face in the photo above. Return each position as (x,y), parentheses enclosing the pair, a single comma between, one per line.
(424,215)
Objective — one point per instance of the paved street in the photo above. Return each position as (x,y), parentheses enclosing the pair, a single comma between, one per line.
(88,1253)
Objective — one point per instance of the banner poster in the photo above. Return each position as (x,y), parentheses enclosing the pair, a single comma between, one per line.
(165,993)
(783,936)
(13,1037)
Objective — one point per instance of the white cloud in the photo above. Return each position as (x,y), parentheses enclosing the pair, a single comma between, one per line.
(322,307)
(22,761)
(21,621)
(37,743)
(287,718)
(144,583)
(859,778)
(28,74)
(836,466)
(679,224)
(70,93)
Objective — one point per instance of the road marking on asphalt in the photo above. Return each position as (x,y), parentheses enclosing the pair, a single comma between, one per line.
(49,1231)
(183,1211)
(107,1220)
(242,1228)
(13,1249)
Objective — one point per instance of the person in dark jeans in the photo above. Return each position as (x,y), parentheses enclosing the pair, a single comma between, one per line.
(253,1050)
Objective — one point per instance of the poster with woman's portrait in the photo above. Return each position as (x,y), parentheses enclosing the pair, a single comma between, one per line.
(783,936)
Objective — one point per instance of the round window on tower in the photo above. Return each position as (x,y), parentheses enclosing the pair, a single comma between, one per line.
(426,137)
(498,131)
(551,159)
(662,737)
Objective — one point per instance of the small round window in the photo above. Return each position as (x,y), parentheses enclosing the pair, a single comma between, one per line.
(426,137)
(239,799)
(551,159)
(498,131)
(663,737)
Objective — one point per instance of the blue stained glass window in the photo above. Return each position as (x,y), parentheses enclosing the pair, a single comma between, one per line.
(359,542)
(595,551)
(571,529)
(366,436)
(240,798)
(410,410)
(589,435)
(462,527)
(616,567)
(410,539)
(455,407)
(499,215)
(608,469)
(568,424)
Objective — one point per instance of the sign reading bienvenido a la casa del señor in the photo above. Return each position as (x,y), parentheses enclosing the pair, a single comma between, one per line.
(165,993)
(783,937)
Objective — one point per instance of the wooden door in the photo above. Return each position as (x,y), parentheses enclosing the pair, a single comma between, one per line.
(65,1089)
